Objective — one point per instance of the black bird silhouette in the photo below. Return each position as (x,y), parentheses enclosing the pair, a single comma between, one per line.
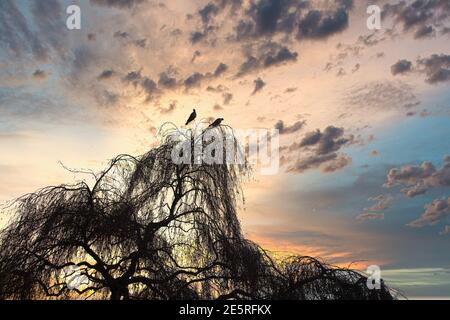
(192,117)
(216,123)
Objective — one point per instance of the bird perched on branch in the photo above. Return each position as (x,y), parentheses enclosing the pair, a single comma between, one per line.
(216,123)
(192,117)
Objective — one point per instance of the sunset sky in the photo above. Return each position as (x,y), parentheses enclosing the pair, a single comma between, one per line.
(364,115)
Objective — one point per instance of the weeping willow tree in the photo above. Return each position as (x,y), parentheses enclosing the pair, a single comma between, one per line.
(151,228)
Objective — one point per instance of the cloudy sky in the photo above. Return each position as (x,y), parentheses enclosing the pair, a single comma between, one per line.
(364,115)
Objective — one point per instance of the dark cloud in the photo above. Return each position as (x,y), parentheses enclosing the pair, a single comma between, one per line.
(408,15)
(107,74)
(317,25)
(121,4)
(312,162)
(410,174)
(328,163)
(420,16)
(244,30)
(266,18)
(311,138)
(133,77)
(282,56)
(270,54)
(150,87)
(213,8)
(166,81)
(197,36)
(208,11)
(121,34)
(417,179)
(270,16)
(203,35)
(195,56)
(424,32)
(330,140)
(283,129)
(401,67)
(259,85)
(434,212)
(436,67)
(39,74)
(249,66)
(141,43)
(221,68)
(194,80)
(321,148)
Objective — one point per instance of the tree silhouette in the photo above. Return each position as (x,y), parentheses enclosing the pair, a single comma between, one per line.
(148,228)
